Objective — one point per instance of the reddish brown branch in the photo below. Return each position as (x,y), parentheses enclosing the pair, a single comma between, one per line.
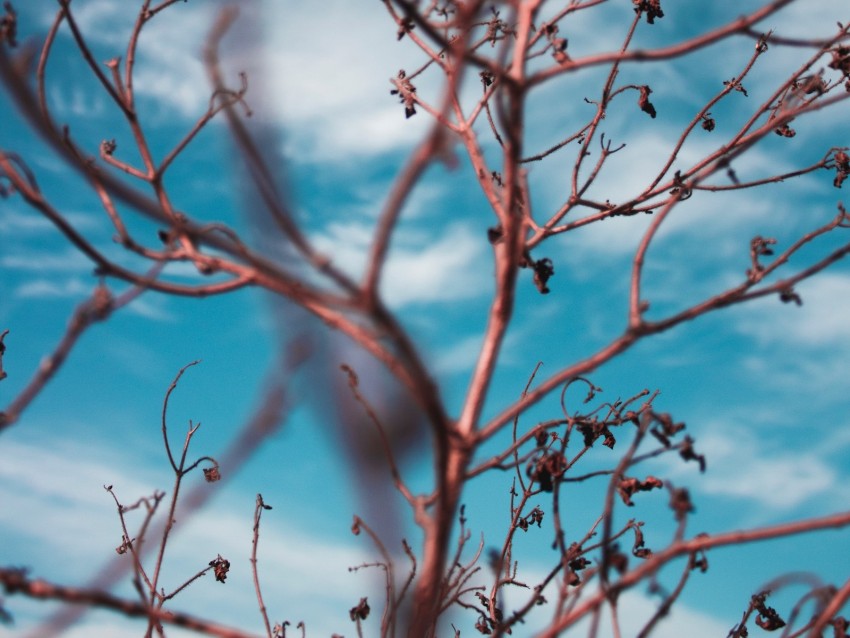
(15,581)
(686,547)
(97,308)
(741,25)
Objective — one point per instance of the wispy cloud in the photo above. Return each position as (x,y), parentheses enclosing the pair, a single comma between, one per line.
(816,337)
(168,67)
(75,519)
(820,322)
(754,466)
(453,266)
(22,223)
(53,289)
(320,70)
(57,286)
(628,172)
(328,70)
(742,468)
(64,261)
(37,505)
(154,307)
(421,268)
(78,102)
(458,356)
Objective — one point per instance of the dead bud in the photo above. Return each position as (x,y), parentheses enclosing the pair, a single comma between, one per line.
(680,189)
(547,470)
(667,430)
(639,549)
(785,131)
(405,26)
(788,295)
(495,27)
(125,546)
(593,429)
(842,168)
(759,247)
(360,611)
(495,234)
(699,561)
(541,437)
(737,86)
(483,626)
(688,453)
(644,103)
(768,619)
(535,516)
(212,474)
(220,568)
(107,147)
(652,8)
(558,44)
(680,502)
(543,271)
(9,25)
(406,93)
(840,60)
(2,352)
(629,486)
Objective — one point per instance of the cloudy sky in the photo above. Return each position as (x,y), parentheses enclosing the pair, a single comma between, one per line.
(763,388)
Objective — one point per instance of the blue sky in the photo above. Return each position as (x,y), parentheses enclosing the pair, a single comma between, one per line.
(763,388)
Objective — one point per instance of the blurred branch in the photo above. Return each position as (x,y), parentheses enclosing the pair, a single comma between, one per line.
(15,581)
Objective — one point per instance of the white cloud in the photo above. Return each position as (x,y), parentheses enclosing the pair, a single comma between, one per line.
(421,268)
(452,267)
(369,130)
(753,465)
(101,20)
(67,260)
(327,75)
(822,320)
(810,19)
(170,69)
(151,307)
(77,102)
(459,356)
(53,495)
(626,175)
(14,223)
(422,202)
(168,65)
(683,620)
(783,480)
(816,337)
(319,70)
(50,288)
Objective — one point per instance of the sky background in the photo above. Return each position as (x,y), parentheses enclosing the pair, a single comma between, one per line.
(763,387)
